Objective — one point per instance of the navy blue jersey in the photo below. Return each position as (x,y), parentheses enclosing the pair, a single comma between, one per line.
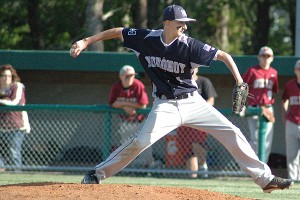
(169,66)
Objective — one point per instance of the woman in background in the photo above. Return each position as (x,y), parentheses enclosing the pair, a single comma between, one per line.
(13,125)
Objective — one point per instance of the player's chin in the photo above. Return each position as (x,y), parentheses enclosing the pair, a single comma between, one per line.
(180,33)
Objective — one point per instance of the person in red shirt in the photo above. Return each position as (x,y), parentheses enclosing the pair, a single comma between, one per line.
(291,115)
(263,83)
(13,125)
(129,94)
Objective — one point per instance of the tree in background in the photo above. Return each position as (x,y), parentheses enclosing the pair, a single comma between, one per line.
(237,26)
(262,24)
(222,23)
(155,8)
(34,24)
(14,30)
(94,21)
(282,29)
(40,24)
(272,23)
(139,12)
(291,8)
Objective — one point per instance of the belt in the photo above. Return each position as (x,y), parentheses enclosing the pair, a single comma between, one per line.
(181,96)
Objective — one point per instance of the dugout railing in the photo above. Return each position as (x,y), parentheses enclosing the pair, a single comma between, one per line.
(74,138)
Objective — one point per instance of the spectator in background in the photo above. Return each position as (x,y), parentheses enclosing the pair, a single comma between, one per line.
(13,125)
(192,141)
(263,83)
(129,94)
(291,115)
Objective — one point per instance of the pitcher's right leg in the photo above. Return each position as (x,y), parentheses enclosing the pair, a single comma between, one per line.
(118,160)
(163,118)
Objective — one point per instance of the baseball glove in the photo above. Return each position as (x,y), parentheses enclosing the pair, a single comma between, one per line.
(239,97)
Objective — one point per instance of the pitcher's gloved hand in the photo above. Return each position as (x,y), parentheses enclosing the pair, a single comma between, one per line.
(239,97)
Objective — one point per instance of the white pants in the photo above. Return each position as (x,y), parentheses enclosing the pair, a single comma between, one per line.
(127,130)
(292,138)
(253,123)
(167,115)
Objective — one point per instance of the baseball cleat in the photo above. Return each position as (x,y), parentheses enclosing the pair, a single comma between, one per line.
(90,178)
(278,183)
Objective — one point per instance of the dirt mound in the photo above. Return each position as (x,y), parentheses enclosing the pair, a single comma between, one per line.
(62,191)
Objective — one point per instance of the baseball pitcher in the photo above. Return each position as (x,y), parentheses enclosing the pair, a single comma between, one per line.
(169,58)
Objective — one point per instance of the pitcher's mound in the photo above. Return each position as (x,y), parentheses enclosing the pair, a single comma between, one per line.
(62,191)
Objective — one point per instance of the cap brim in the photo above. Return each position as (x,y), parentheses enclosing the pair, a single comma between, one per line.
(185,20)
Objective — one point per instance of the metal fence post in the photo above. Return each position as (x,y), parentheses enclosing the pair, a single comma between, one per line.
(261,131)
(262,138)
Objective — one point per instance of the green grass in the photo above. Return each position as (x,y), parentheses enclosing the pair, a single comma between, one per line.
(243,187)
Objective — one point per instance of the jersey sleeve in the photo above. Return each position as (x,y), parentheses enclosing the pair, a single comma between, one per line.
(134,38)
(201,54)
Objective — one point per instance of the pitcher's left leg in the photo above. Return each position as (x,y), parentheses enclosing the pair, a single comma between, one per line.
(210,120)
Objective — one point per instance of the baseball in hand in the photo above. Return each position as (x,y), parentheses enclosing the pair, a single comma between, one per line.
(77,47)
(72,50)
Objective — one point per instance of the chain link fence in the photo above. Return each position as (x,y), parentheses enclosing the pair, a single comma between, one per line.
(75,138)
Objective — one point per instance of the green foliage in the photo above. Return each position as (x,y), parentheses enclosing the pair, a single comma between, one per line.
(120,18)
(280,37)
(61,22)
(13,28)
(64,22)
(207,12)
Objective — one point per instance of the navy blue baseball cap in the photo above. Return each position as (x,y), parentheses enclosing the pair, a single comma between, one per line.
(175,12)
